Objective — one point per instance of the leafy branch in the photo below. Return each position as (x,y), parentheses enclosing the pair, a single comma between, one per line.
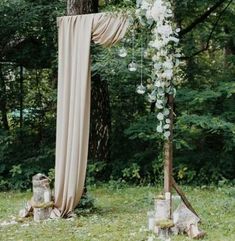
(211,33)
(201,19)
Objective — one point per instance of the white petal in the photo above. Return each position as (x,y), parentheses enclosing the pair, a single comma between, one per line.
(160,116)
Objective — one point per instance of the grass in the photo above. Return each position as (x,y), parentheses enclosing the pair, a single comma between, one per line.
(120,216)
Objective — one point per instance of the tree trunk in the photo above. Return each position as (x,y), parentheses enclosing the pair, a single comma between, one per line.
(3,101)
(99,145)
(75,7)
(21,96)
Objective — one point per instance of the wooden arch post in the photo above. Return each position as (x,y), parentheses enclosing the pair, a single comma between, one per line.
(168,150)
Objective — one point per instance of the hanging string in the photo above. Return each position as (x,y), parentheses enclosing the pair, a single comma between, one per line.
(141,60)
(141,89)
(133,45)
(133,66)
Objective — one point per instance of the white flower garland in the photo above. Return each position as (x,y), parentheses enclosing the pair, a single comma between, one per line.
(164,54)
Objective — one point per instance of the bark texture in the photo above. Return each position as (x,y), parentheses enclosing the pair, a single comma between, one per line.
(75,7)
(3,101)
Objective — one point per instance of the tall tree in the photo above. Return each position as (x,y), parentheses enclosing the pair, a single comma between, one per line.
(99,146)
(3,102)
(75,7)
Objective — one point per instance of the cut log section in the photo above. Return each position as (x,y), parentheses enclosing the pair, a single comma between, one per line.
(41,202)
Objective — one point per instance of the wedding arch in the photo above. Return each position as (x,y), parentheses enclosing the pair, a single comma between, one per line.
(74,83)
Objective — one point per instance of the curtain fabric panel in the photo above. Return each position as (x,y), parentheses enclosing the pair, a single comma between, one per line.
(73,105)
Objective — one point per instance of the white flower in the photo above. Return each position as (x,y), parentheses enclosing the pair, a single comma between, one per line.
(167,74)
(168,64)
(157,83)
(157,66)
(166,126)
(167,134)
(154,58)
(157,44)
(145,5)
(165,30)
(159,106)
(159,129)
(166,112)
(174,39)
(168,121)
(160,116)
(138,12)
(177,62)
(159,11)
(152,97)
(148,14)
(167,83)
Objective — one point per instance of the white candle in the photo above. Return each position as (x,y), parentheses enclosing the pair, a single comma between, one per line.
(167,195)
(47,197)
(151,221)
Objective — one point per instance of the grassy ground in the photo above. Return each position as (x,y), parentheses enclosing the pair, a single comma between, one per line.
(120,216)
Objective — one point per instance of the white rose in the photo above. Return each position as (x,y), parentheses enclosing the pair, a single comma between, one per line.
(167,74)
(158,10)
(145,5)
(168,64)
(165,30)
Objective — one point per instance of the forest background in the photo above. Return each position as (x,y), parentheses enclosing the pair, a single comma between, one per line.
(124,145)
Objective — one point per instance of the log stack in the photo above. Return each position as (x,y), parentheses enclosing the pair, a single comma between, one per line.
(41,201)
(164,221)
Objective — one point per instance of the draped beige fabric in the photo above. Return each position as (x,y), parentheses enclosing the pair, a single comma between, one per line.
(73,106)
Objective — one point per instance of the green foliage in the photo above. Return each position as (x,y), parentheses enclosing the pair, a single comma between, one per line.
(86,205)
(204,133)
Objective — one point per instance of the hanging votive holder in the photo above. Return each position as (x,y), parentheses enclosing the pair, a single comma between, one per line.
(141,89)
(122,52)
(132,66)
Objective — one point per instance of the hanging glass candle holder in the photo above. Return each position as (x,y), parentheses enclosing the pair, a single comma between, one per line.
(122,52)
(132,66)
(141,89)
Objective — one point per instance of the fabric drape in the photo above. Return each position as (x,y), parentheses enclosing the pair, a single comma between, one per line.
(73,104)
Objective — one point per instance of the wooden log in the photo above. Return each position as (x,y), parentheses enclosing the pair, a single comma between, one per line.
(26,211)
(186,221)
(162,209)
(41,202)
